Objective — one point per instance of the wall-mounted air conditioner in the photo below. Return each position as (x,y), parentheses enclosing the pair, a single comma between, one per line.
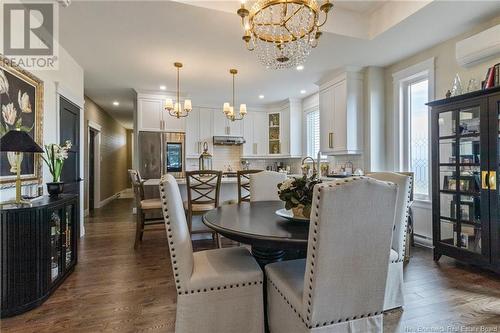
(478,48)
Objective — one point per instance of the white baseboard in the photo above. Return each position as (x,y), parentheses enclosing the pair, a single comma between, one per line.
(423,241)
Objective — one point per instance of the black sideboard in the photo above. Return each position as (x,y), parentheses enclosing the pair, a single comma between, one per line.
(38,251)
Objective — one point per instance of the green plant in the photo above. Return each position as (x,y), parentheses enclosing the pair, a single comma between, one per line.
(298,191)
(54,157)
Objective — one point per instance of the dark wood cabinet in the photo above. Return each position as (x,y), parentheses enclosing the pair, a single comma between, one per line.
(38,251)
(465,165)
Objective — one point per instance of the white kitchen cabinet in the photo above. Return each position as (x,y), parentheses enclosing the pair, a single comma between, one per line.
(291,128)
(198,131)
(151,115)
(235,127)
(220,126)
(193,133)
(255,127)
(341,118)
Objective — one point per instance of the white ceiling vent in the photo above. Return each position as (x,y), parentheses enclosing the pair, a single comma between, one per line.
(479,48)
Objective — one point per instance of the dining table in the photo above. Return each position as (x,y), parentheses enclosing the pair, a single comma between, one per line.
(271,237)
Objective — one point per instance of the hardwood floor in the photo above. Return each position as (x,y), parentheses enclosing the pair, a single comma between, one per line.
(117,289)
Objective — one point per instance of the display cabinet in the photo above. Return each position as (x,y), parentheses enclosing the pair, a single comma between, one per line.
(38,251)
(465,163)
(274,133)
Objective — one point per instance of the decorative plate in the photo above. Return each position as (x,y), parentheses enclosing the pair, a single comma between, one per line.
(287,214)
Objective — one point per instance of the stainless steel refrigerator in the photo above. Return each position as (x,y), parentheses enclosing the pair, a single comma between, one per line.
(160,153)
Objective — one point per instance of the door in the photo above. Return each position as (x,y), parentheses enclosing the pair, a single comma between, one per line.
(339,135)
(91,166)
(459,159)
(193,134)
(69,129)
(494,181)
(248,134)
(260,126)
(150,114)
(220,123)
(151,155)
(326,119)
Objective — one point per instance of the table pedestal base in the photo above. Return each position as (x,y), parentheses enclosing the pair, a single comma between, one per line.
(266,256)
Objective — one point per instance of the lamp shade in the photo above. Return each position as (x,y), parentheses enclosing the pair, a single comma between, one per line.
(19,141)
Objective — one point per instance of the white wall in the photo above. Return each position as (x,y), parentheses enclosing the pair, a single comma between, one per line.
(445,69)
(68,82)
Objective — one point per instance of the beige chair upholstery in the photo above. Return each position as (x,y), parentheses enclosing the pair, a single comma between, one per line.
(219,290)
(394,290)
(264,185)
(340,286)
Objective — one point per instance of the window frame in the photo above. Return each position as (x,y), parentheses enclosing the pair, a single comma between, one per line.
(307,113)
(401,81)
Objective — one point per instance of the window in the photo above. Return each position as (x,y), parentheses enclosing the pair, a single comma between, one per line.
(418,116)
(312,131)
(414,87)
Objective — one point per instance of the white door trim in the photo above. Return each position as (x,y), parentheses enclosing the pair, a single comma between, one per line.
(97,160)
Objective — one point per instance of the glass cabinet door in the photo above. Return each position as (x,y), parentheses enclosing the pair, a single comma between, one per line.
(69,220)
(493,177)
(460,136)
(55,244)
(274,134)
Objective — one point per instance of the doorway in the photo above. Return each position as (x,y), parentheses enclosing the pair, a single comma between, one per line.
(93,171)
(70,130)
(91,178)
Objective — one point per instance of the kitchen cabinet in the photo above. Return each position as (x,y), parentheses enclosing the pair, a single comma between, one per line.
(151,115)
(341,117)
(255,134)
(291,128)
(224,126)
(199,126)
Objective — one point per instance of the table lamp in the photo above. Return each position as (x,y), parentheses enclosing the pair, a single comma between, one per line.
(18,141)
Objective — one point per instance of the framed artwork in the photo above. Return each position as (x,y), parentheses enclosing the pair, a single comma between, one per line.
(21,103)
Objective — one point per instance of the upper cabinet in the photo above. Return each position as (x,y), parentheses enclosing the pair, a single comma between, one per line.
(152,116)
(341,116)
(198,130)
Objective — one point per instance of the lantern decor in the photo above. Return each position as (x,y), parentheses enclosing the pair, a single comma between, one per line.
(205,160)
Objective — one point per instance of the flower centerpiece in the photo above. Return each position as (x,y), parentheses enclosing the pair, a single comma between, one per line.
(54,157)
(297,193)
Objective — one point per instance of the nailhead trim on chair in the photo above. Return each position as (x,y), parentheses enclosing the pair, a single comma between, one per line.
(313,256)
(174,260)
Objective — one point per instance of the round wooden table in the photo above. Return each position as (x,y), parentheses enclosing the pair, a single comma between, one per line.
(256,223)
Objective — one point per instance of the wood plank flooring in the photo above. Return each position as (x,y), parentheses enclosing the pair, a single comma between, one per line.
(117,289)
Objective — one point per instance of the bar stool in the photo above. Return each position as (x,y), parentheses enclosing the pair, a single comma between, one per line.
(143,206)
(244,184)
(203,190)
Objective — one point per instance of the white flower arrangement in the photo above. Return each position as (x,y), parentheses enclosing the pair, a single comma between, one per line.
(55,155)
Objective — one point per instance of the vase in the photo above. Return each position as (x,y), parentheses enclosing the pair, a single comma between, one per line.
(298,211)
(12,158)
(55,188)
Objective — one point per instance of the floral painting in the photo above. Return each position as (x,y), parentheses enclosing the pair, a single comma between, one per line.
(21,102)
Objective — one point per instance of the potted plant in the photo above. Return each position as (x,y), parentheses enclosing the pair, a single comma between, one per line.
(54,157)
(297,193)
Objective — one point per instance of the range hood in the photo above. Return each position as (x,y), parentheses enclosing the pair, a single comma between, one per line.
(228,140)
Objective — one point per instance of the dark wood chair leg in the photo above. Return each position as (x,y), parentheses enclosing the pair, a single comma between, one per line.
(139,227)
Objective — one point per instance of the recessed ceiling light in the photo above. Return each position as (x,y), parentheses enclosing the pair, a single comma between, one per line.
(261,96)
(302,91)
(163,87)
(300,67)
(115,103)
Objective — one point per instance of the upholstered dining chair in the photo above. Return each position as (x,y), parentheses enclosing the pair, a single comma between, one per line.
(218,291)
(203,191)
(244,184)
(145,208)
(394,290)
(264,185)
(340,286)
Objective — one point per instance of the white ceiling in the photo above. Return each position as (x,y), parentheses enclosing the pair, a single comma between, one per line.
(132,45)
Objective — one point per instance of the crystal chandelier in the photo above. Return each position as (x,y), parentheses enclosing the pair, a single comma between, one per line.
(177,110)
(228,108)
(283,32)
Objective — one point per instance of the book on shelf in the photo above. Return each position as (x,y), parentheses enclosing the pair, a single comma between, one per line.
(492,78)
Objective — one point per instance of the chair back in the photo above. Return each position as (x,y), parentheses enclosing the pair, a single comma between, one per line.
(348,250)
(178,237)
(244,184)
(136,181)
(203,187)
(264,185)
(404,184)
